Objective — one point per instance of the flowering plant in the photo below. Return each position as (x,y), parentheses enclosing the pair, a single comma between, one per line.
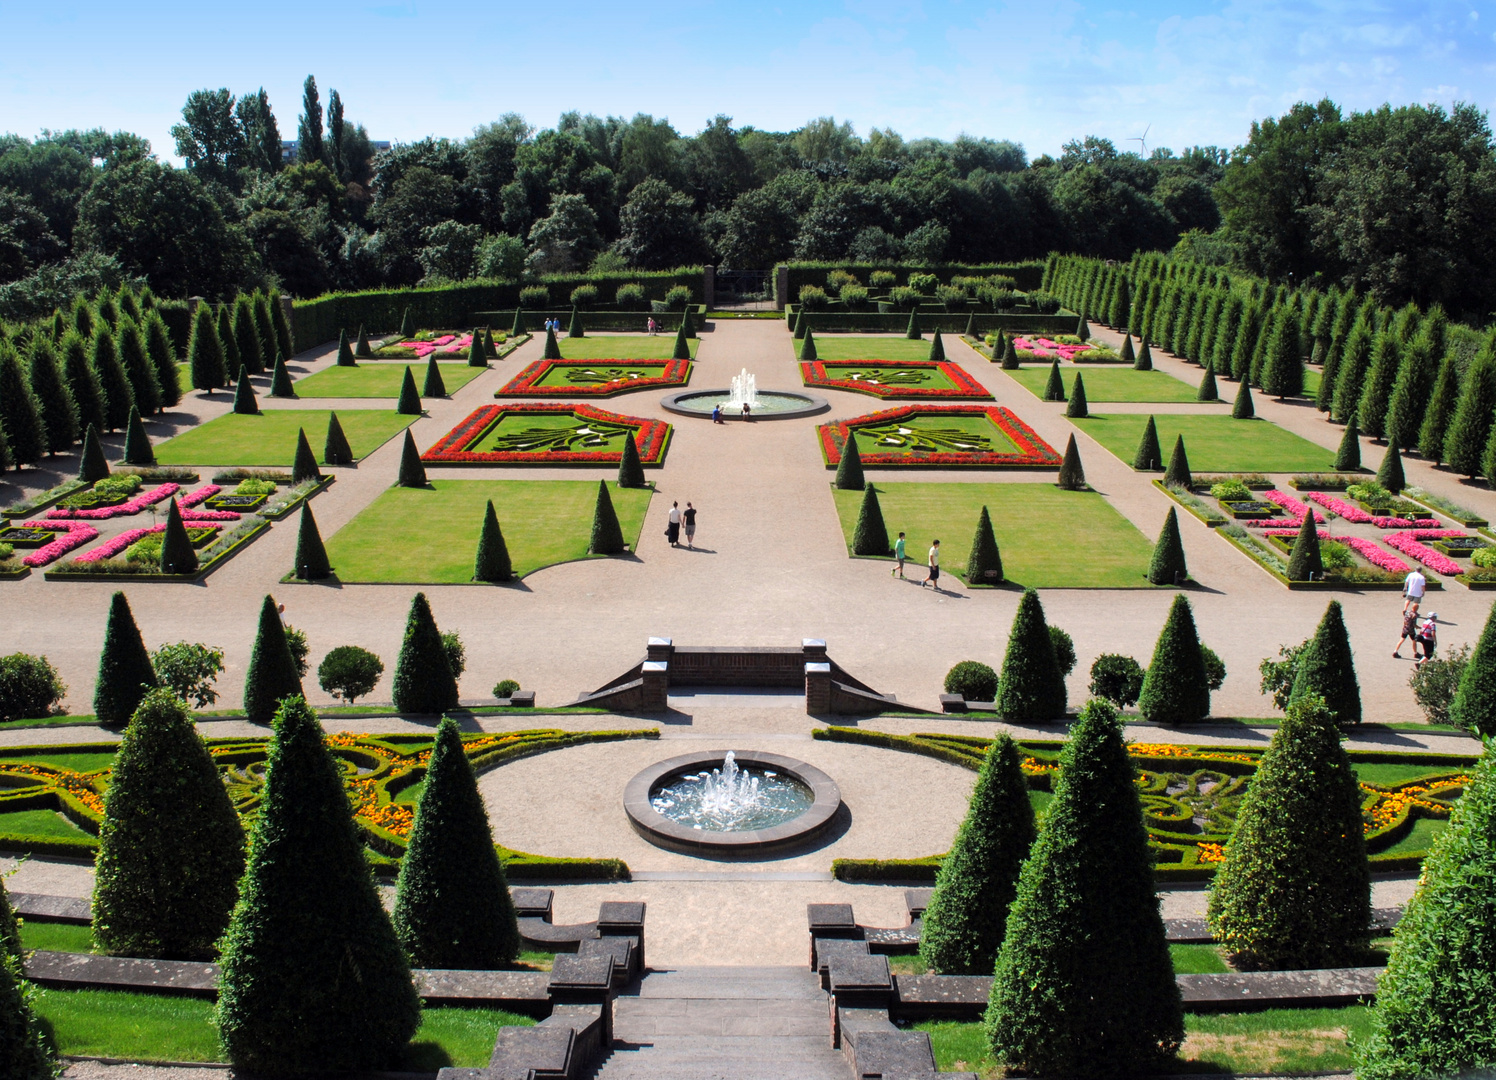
(74,535)
(1375,555)
(1295,508)
(610,377)
(1347,510)
(202,494)
(451,342)
(1409,543)
(1032,450)
(124,509)
(1405,523)
(815,373)
(110,548)
(1047,347)
(650,436)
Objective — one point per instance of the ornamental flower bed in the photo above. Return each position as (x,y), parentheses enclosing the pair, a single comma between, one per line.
(1375,555)
(1411,545)
(844,375)
(915,444)
(1353,513)
(1047,348)
(124,509)
(1294,508)
(74,535)
(549,446)
(201,495)
(443,343)
(598,378)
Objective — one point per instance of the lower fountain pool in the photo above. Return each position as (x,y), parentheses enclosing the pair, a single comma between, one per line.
(732,799)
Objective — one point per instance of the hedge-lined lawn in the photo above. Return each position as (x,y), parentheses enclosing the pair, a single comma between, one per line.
(430,535)
(56,936)
(1109,383)
(157,1027)
(1049,539)
(380,380)
(40,823)
(643,347)
(269,439)
(1213,442)
(883,347)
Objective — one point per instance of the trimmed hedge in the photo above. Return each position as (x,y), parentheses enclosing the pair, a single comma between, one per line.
(1027,276)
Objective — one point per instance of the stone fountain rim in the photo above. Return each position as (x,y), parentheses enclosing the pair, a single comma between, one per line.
(813,404)
(661,831)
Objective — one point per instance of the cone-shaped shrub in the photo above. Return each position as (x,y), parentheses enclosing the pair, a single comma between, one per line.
(1283,368)
(433,386)
(1474,705)
(1077,409)
(808,346)
(575,328)
(688,324)
(552,350)
(1144,361)
(1054,389)
(1465,441)
(1072,474)
(424,682)
(452,905)
(91,463)
(82,383)
(224,327)
(280,379)
(492,563)
(139,371)
(304,465)
(345,354)
(937,346)
(802,324)
(1208,390)
(118,397)
(1178,472)
(1084,985)
(1176,689)
(271,674)
(1149,456)
(171,848)
(630,469)
(285,341)
(849,475)
(1328,669)
(83,320)
(477,356)
(1241,408)
(1348,457)
(963,924)
(682,350)
(1304,563)
(412,472)
(1435,1014)
(912,332)
(1168,566)
(1436,417)
(265,327)
(311,554)
(312,970)
(1129,355)
(519,323)
(25,1047)
(361,347)
(1032,687)
(335,448)
(1295,889)
(870,537)
(408,325)
(247,335)
(177,556)
(1083,329)
(137,443)
(1390,472)
(205,359)
(410,401)
(984,565)
(607,535)
(245,402)
(1376,390)
(58,412)
(1010,356)
(125,672)
(489,352)
(971,326)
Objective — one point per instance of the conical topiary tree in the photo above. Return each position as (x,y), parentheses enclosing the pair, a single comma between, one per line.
(137,443)
(1176,688)
(849,475)
(1149,456)
(870,536)
(285,339)
(518,328)
(1208,390)
(118,397)
(688,324)
(1144,361)
(139,371)
(489,352)
(247,335)
(424,682)
(1083,329)
(412,472)
(177,556)
(1348,457)
(1241,408)
(802,324)
(171,848)
(1283,367)
(1010,355)
(1328,669)
(245,403)
(1295,889)
(1304,562)
(1054,389)
(1072,474)
(224,328)
(984,564)
(630,469)
(682,350)
(407,325)
(477,355)
(1436,417)
(25,1045)
(271,674)
(1178,472)
(575,328)
(937,346)
(83,384)
(1032,686)
(492,563)
(335,448)
(552,350)
(361,349)
(978,879)
(280,379)
(58,411)
(163,356)
(410,400)
(808,346)
(1474,705)
(912,331)
(311,554)
(1129,355)
(345,354)
(1465,442)
(125,671)
(434,386)
(91,462)
(304,465)
(452,905)
(1168,566)
(205,360)
(264,327)
(1084,984)
(607,534)
(311,968)
(971,326)
(1390,473)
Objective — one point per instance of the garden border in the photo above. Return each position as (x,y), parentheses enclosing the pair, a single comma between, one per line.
(145,578)
(526,383)
(448,450)
(813,373)
(1034,452)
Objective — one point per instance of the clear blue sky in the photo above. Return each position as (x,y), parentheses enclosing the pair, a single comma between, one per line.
(1038,73)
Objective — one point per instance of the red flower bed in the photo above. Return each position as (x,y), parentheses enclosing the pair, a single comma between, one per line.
(813,373)
(1032,450)
(528,382)
(650,436)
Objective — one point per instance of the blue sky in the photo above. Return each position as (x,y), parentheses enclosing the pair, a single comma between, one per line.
(1037,73)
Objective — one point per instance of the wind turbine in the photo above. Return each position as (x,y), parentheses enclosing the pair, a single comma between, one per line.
(1142,140)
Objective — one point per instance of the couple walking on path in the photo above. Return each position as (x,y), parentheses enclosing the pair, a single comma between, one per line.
(901,556)
(679,517)
(1424,637)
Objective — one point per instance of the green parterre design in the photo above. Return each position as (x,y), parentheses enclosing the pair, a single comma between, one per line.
(52,798)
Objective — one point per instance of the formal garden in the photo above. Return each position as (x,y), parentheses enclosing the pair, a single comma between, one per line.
(546,434)
(606,378)
(916,380)
(1103,384)
(949,436)
(368,380)
(1215,442)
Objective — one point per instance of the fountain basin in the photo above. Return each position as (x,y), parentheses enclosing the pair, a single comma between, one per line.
(772,404)
(821,798)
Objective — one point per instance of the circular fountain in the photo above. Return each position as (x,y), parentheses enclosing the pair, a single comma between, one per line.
(730,804)
(762,404)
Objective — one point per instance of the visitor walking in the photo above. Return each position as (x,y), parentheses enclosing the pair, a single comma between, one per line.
(934,579)
(899,555)
(672,530)
(1428,638)
(652,326)
(688,519)
(1413,586)
(1409,632)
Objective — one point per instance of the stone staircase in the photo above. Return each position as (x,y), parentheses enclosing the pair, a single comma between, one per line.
(724,1023)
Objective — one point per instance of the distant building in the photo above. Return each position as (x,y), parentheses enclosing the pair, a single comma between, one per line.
(288,149)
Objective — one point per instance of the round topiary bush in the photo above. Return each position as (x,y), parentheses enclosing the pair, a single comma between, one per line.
(29,687)
(349,672)
(534,296)
(973,680)
(631,298)
(678,298)
(584,296)
(505,688)
(813,298)
(1117,678)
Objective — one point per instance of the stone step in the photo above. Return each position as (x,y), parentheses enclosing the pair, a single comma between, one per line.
(725,983)
(726,1058)
(642,1019)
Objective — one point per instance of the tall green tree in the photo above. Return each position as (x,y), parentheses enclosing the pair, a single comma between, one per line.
(82,382)
(1032,687)
(205,359)
(125,671)
(1176,688)
(424,682)
(20,412)
(1465,443)
(1474,705)
(58,410)
(309,142)
(1376,394)
(272,673)
(1283,368)
(163,356)
(117,395)
(145,390)
(1327,668)
(247,335)
(1350,373)
(1438,415)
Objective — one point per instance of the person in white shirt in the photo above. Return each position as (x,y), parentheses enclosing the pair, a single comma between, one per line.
(672,530)
(1413,586)
(934,579)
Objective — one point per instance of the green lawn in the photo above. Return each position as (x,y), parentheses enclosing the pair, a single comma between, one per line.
(884,347)
(380,380)
(934,433)
(40,823)
(430,535)
(1109,383)
(1197,959)
(1214,443)
(642,347)
(1049,539)
(269,439)
(56,936)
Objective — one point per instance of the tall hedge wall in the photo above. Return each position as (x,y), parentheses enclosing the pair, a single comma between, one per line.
(1027,276)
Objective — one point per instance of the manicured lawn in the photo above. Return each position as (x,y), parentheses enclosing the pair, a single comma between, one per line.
(421,535)
(269,439)
(380,380)
(56,936)
(1109,383)
(642,347)
(40,823)
(1197,959)
(883,347)
(944,433)
(1391,774)
(1214,443)
(1049,539)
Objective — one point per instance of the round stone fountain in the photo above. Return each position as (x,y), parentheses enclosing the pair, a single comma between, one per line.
(730,804)
(762,404)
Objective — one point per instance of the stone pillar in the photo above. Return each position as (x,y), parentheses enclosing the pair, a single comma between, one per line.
(584,980)
(659,648)
(656,675)
(814,650)
(709,286)
(620,918)
(818,688)
(192,302)
(781,286)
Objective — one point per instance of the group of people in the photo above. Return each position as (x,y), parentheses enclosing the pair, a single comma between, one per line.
(717,413)
(553,325)
(1425,636)
(679,518)
(901,556)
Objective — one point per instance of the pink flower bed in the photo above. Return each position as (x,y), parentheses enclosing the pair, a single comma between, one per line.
(447,342)
(202,494)
(74,534)
(1409,544)
(1347,510)
(1375,555)
(110,548)
(1047,348)
(194,517)
(1404,523)
(1295,508)
(124,509)
(1276,523)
